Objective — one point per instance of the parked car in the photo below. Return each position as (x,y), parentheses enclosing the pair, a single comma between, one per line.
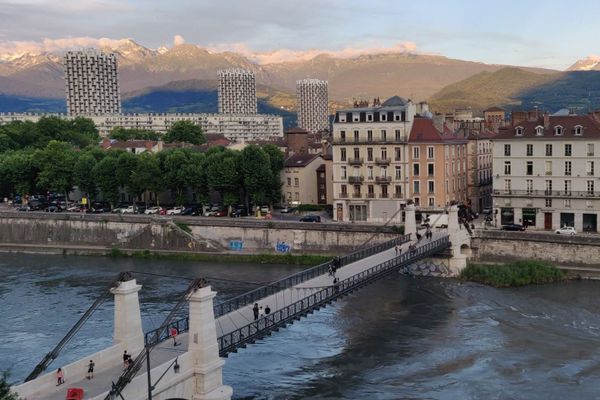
(212,211)
(191,210)
(100,207)
(513,227)
(74,208)
(37,205)
(220,213)
(127,210)
(310,218)
(175,211)
(152,210)
(566,230)
(264,209)
(140,208)
(24,207)
(487,211)
(52,208)
(239,212)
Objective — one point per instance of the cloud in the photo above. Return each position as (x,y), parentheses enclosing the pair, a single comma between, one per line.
(178,40)
(12,49)
(287,55)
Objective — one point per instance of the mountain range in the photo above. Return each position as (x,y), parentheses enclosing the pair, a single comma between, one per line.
(149,77)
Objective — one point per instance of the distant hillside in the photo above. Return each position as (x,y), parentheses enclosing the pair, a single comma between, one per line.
(20,104)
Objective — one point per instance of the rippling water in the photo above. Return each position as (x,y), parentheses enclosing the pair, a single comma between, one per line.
(398,338)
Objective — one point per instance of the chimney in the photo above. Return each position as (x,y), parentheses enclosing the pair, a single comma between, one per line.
(546,121)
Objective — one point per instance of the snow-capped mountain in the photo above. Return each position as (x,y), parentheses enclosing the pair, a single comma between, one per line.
(591,63)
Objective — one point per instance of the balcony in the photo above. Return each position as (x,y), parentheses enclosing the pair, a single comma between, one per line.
(398,196)
(383,195)
(382,161)
(355,161)
(356,179)
(548,193)
(383,179)
(343,195)
(356,195)
(370,195)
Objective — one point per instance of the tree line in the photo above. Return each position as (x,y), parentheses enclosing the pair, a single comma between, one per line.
(58,155)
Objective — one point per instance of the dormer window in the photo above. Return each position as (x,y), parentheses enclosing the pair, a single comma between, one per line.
(558,130)
(578,130)
(539,130)
(519,131)
(383,116)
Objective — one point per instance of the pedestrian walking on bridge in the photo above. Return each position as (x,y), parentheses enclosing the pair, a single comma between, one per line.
(60,377)
(125,360)
(255,311)
(174,333)
(91,366)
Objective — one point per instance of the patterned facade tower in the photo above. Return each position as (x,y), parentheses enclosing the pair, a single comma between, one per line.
(237,91)
(312,105)
(92,83)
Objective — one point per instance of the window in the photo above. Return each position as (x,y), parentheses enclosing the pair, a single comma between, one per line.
(417,201)
(342,154)
(558,130)
(430,152)
(296,182)
(370,191)
(369,154)
(383,153)
(356,136)
(507,186)
(590,149)
(548,167)
(383,135)
(297,196)
(369,117)
(548,202)
(370,136)
(529,186)
(356,172)
(507,150)
(567,187)
(548,150)
(578,130)
(416,169)
(383,171)
(568,149)
(529,167)
(370,172)
(589,168)
(356,191)
(416,186)
(356,153)
(383,116)
(548,186)
(430,169)
(398,191)
(398,135)
(430,186)
(397,154)
(519,131)
(343,170)
(567,168)
(415,151)
(342,136)
(506,167)
(289,181)
(431,201)
(567,203)
(384,192)
(529,150)
(539,130)
(590,187)
(398,173)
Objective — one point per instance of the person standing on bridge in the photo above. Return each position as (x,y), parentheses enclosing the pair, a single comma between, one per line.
(267,310)
(174,335)
(255,311)
(91,366)
(125,360)
(261,312)
(60,377)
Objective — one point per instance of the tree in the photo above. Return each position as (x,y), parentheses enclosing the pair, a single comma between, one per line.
(185,131)
(18,172)
(83,176)
(223,175)
(177,173)
(56,163)
(126,164)
(80,132)
(5,392)
(125,134)
(104,175)
(256,173)
(146,175)
(276,162)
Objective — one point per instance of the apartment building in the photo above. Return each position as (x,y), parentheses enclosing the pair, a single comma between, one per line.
(302,177)
(237,91)
(313,105)
(92,83)
(545,172)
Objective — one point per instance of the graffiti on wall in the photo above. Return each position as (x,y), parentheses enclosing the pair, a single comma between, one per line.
(282,247)
(236,245)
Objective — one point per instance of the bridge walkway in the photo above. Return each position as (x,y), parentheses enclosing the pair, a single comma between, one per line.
(233,322)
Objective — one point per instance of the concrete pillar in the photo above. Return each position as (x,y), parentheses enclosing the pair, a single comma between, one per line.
(128,319)
(458,237)
(204,349)
(453,224)
(410,221)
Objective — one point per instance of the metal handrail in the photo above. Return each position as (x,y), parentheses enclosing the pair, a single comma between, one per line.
(250,297)
(240,337)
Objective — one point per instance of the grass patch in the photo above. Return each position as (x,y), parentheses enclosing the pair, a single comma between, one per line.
(519,273)
(291,259)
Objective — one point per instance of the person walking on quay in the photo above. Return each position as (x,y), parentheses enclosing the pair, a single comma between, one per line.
(60,377)
(125,360)
(397,248)
(261,312)
(267,310)
(330,270)
(428,234)
(255,311)
(174,333)
(91,366)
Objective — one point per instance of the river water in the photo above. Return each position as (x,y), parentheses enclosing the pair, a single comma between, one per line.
(400,338)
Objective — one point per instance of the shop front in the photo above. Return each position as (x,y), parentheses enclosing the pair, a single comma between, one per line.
(507,215)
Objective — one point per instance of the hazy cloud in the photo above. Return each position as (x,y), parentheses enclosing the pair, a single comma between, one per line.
(9,49)
(178,39)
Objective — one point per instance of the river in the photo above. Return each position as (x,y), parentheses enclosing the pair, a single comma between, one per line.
(398,338)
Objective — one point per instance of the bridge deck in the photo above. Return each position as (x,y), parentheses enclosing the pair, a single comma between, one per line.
(228,323)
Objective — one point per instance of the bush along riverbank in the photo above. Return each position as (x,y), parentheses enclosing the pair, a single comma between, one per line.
(519,273)
(292,259)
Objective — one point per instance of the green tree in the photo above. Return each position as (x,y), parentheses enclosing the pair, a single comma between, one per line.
(104,175)
(276,162)
(177,173)
(56,163)
(146,175)
(83,176)
(126,164)
(80,132)
(5,392)
(186,132)
(256,174)
(125,134)
(223,175)
(18,172)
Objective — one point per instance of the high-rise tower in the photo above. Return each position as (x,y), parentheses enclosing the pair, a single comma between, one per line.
(92,83)
(237,91)
(312,105)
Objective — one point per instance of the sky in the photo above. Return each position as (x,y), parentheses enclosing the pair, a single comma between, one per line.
(552,34)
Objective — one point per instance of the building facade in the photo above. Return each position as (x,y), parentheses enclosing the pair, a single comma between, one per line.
(301,176)
(238,128)
(545,172)
(237,91)
(92,83)
(313,105)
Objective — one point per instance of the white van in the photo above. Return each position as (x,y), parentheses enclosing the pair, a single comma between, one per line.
(436,221)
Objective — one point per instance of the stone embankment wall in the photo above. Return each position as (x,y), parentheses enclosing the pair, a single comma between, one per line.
(569,251)
(86,233)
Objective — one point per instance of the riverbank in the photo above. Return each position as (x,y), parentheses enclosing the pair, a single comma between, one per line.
(519,273)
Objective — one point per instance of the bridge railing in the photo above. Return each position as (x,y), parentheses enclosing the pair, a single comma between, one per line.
(227,306)
(230,342)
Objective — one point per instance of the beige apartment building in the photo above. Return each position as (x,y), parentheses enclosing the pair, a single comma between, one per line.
(301,176)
